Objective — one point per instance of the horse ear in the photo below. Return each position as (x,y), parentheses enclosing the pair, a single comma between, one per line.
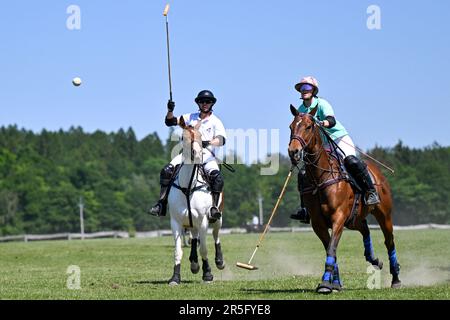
(182,123)
(294,111)
(313,111)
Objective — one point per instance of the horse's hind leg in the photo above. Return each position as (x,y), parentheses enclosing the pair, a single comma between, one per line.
(177,231)
(385,221)
(218,259)
(368,247)
(207,275)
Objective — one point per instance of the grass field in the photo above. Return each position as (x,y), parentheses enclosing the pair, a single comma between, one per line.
(291,265)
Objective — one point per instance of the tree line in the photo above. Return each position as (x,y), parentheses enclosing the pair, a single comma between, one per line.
(43,175)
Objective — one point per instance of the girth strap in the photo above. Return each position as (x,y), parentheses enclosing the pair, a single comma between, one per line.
(186,191)
(323,185)
(351,218)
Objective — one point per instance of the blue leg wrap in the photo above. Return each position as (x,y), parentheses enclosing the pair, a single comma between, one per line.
(336,278)
(394,265)
(329,267)
(368,249)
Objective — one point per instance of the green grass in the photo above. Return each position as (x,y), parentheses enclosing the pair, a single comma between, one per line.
(291,265)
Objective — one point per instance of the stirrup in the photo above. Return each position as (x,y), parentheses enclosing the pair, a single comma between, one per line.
(372,198)
(302,215)
(156,210)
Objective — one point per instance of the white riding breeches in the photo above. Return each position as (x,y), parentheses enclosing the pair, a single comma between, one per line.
(209,165)
(347,146)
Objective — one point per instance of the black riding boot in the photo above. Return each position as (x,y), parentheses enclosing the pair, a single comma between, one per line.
(160,208)
(302,213)
(358,170)
(217,183)
(214,212)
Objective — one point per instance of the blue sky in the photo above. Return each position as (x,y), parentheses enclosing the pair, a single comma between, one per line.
(385,85)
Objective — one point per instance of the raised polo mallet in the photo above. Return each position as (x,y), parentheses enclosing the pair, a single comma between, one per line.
(165,13)
(248,265)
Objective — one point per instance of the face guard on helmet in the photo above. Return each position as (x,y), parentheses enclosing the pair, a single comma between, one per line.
(306,83)
(205,96)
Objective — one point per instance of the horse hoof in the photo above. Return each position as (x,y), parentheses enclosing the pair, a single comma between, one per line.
(396,284)
(324,288)
(207,278)
(218,259)
(336,287)
(378,263)
(220,265)
(195,267)
(174,281)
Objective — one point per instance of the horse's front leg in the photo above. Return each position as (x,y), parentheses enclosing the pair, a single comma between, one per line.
(218,259)
(207,275)
(193,257)
(330,279)
(178,253)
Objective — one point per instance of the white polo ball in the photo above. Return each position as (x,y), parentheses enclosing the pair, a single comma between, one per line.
(76,81)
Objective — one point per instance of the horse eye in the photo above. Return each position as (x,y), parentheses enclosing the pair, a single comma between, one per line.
(309,127)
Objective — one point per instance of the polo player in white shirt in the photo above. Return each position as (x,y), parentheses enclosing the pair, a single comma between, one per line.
(213,135)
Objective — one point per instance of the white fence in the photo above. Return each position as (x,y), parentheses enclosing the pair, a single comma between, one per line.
(66,236)
(162,233)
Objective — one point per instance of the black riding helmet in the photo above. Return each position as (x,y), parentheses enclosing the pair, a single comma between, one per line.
(206,95)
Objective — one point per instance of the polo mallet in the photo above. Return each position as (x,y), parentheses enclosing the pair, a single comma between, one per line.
(165,13)
(372,158)
(248,265)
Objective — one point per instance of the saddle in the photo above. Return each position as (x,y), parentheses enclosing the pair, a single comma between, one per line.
(309,187)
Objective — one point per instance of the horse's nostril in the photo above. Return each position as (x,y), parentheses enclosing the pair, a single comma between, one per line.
(294,154)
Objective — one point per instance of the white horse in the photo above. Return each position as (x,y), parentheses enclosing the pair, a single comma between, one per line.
(189,202)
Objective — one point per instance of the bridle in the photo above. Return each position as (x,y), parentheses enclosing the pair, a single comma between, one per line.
(310,158)
(304,144)
(193,141)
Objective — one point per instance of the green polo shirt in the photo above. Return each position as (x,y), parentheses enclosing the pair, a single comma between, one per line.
(324,110)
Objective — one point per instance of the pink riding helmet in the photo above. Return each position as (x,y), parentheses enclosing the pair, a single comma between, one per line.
(311,81)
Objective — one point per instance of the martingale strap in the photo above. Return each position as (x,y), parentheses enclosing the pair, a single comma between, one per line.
(189,191)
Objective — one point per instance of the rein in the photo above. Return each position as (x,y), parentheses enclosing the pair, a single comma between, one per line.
(189,191)
(311,159)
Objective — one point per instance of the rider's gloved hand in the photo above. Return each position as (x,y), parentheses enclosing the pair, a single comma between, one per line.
(170,105)
(205,144)
(324,123)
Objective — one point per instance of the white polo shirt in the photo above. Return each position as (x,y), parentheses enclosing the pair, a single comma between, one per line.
(211,127)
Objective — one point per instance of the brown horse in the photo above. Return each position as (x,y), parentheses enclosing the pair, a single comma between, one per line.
(330,199)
